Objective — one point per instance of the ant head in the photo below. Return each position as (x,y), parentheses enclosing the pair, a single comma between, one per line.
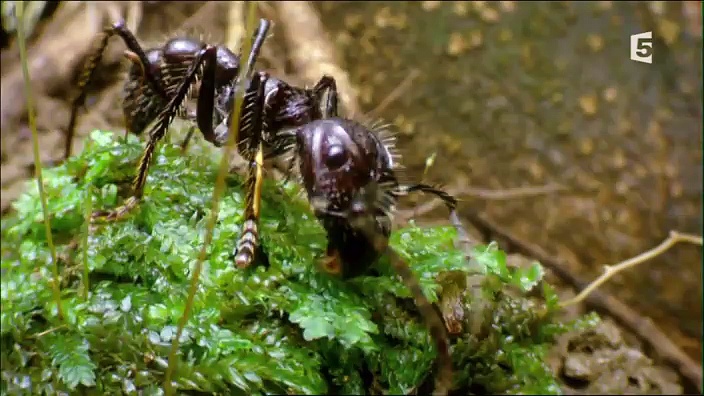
(338,158)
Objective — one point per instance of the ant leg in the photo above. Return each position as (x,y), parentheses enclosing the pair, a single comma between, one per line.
(121,30)
(206,55)
(257,44)
(187,139)
(251,124)
(327,82)
(206,95)
(450,202)
(206,106)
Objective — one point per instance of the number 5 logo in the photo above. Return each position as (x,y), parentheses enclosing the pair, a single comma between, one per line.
(642,47)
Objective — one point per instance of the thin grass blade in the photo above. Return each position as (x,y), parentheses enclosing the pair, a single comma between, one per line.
(22,44)
(217,193)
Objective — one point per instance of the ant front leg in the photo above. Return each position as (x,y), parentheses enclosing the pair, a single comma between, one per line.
(252,124)
(135,54)
(450,202)
(206,56)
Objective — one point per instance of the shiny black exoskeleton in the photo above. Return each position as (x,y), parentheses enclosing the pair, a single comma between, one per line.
(348,170)
(347,167)
(167,67)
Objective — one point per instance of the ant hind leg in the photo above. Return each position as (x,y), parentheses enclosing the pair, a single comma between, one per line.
(251,124)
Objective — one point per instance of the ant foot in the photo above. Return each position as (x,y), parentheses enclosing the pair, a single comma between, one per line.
(107,216)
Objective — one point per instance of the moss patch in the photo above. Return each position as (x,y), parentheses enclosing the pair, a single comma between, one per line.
(279,328)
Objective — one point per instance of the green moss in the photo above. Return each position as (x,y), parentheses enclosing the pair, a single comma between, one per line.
(281,328)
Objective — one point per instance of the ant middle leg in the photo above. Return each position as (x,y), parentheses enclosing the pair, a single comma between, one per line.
(450,202)
(206,95)
(136,54)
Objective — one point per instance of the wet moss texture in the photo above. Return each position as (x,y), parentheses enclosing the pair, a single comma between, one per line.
(281,328)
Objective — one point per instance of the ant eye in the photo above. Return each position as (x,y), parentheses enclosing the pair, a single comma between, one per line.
(336,156)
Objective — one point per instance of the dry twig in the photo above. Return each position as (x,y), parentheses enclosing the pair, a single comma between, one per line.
(200,17)
(396,93)
(609,271)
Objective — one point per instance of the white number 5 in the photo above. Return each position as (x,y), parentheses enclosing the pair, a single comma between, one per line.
(642,47)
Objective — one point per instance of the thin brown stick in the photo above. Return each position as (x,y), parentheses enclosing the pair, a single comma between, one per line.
(598,300)
(609,271)
(396,93)
(198,18)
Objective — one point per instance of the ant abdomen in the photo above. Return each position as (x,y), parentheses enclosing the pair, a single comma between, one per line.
(179,53)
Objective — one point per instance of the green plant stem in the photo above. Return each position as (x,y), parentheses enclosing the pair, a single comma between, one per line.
(86,234)
(217,193)
(21,41)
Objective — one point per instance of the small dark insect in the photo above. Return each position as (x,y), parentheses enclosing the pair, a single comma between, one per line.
(348,171)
